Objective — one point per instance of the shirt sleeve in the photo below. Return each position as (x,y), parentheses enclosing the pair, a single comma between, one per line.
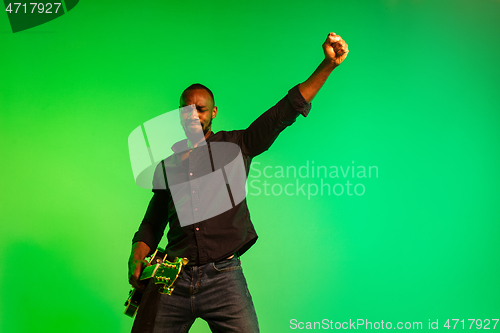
(156,218)
(298,102)
(260,135)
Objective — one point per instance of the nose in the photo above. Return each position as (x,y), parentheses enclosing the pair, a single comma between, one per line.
(189,112)
(194,114)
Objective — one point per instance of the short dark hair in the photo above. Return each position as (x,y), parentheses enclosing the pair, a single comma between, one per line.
(199,86)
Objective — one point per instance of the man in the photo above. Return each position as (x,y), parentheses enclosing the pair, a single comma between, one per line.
(212,285)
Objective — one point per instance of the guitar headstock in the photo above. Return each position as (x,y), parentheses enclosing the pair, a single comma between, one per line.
(167,274)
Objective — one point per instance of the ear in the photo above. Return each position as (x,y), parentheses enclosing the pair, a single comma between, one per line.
(214,112)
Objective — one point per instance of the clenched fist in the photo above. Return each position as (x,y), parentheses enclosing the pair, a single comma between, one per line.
(335,49)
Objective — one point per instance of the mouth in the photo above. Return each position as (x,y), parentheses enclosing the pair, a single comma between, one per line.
(193,125)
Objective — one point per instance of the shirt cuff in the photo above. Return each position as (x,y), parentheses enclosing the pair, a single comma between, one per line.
(146,235)
(298,102)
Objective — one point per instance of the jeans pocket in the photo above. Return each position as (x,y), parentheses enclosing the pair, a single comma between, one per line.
(227,265)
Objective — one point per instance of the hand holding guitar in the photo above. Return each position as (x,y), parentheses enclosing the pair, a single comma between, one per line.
(163,272)
(136,264)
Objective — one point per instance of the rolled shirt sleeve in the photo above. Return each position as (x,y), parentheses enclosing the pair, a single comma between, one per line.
(298,102)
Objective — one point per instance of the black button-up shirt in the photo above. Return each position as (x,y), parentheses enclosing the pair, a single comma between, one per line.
(232,231)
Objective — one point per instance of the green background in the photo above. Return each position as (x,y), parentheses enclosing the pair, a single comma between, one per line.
(417,97)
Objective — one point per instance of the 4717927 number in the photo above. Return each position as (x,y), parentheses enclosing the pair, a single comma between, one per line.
(477,323)
(29,8)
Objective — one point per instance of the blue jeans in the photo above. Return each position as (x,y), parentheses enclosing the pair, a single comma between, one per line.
(216,292)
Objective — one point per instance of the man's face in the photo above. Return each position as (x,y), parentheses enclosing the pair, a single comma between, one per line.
(202,114)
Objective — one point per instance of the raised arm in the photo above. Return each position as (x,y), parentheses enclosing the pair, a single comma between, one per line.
(336,50)
(260,135)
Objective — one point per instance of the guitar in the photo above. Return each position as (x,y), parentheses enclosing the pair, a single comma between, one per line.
(163,272)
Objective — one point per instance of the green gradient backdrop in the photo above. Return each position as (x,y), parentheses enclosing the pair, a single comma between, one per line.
(417,97)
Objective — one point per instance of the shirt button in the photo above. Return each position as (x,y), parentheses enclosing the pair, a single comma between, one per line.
(197,229)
